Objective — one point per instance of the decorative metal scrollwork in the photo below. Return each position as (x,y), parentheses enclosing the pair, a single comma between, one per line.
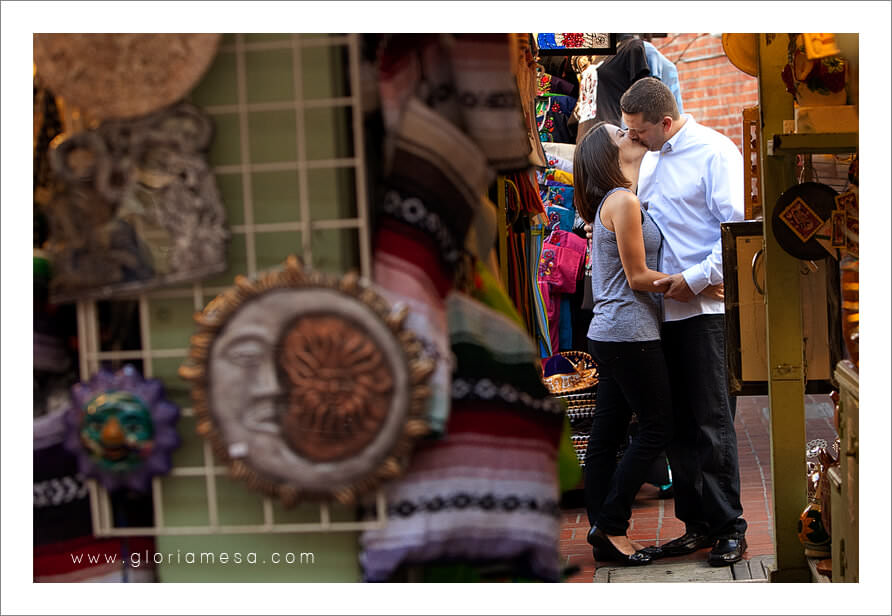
(139,207)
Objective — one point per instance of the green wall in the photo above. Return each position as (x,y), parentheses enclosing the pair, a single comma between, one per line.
(281,193)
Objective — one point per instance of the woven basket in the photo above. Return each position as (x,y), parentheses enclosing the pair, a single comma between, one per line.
(584,377)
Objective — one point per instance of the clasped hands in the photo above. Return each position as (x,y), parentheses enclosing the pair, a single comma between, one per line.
(679,290)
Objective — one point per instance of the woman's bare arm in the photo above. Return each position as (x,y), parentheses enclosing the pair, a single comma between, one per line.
(623,211)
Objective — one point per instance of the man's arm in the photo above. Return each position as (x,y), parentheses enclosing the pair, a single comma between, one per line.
(724,201)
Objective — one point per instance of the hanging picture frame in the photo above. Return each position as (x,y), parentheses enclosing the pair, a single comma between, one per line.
(308,386)
(576,44)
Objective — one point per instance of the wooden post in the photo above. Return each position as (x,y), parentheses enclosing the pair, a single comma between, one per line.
(783,311)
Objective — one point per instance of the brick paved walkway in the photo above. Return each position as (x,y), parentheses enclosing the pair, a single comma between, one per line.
(653,520)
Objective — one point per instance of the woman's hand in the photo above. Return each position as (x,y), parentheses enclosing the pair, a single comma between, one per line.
(715,291)
(588,230)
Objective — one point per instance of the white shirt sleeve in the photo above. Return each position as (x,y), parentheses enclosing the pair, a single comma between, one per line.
(724,202)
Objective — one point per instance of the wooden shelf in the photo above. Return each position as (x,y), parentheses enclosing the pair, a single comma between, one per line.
(823,143)
(816,577)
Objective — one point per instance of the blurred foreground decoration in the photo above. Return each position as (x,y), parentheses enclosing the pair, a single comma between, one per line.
(135,206)
(122,429)
(308,386)
(106,76)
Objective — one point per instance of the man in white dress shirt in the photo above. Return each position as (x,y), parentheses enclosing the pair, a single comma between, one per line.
(692,181)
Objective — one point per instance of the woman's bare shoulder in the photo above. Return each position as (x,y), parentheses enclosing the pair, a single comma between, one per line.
(622,199)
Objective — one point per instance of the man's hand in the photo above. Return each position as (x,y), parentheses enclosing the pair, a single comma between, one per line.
(678,288)
(715,291)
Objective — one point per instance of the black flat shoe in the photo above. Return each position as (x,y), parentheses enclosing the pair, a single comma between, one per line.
(686,544)
(604,551)
(591,534)
(727,551)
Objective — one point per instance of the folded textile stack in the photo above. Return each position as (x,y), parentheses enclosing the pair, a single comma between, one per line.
(486,492)
(556,186)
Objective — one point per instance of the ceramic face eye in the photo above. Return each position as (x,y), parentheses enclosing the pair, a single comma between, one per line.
(137,425)
(246,351)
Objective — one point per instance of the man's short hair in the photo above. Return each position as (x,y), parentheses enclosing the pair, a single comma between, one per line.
(650,97)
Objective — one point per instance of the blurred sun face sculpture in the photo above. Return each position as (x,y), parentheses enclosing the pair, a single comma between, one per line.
(307,385)
(122,429)
(117,429)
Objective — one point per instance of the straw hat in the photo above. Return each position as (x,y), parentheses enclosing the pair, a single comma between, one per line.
(122,75)
(742,50)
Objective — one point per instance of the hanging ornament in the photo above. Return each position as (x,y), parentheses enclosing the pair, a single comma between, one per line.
(122,429)
(136,206)
(308,386)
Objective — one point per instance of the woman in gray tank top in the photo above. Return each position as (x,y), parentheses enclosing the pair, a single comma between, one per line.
(624,337)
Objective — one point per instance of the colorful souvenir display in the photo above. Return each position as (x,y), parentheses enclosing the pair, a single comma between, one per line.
(552,116)
(308,386)
(138,206)
(847,204)
(122,429)
(575,42)
(814,80)
(63,524)
(812,531)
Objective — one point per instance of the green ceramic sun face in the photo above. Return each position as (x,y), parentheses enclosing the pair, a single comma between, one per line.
(118,431)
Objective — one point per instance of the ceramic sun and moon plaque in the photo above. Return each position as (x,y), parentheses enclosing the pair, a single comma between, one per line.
(308,386)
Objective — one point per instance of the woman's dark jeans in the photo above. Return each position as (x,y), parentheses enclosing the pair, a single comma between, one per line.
(632,376)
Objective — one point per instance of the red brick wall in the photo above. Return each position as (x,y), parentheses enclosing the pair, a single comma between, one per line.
(713,90)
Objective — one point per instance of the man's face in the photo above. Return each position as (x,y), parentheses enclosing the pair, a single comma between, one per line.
(651,136)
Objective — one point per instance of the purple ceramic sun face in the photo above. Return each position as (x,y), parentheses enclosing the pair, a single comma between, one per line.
(122,429)
(117,428)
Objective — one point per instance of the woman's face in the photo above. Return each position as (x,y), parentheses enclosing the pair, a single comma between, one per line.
(629,151)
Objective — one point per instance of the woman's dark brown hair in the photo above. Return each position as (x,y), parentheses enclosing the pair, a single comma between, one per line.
(596,170)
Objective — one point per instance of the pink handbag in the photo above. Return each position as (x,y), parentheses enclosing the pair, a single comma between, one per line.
(560,263)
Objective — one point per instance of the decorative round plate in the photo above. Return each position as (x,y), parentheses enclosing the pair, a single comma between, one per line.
(798,216)
(309,386)
(742,50)
(122,75)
